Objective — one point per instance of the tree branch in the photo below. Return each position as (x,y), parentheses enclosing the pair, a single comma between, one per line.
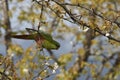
(80,22)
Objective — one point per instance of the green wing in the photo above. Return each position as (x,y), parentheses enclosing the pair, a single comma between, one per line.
(45,35)
(49,42)
(50,45)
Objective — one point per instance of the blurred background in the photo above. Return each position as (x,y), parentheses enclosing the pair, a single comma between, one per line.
(87,31)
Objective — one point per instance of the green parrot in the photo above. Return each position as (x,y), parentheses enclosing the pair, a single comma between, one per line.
(43,39)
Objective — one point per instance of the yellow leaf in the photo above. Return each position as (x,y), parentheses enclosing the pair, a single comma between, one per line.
(64,58)
(91,25)
(81,51)
(74,1)
(107,65)
(94,42)
(78,1)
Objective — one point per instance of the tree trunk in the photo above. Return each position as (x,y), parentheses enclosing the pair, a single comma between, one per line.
(6,23)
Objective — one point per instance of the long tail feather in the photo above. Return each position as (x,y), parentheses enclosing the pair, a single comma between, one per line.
(26,37)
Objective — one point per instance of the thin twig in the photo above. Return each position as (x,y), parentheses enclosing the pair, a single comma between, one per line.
(39,73)
(92,11)
(84,24)
(53,56)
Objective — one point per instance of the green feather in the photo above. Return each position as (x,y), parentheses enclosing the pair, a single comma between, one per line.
(50,45)
(48,41)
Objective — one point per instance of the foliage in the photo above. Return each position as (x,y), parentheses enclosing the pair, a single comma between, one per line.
(90,27)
